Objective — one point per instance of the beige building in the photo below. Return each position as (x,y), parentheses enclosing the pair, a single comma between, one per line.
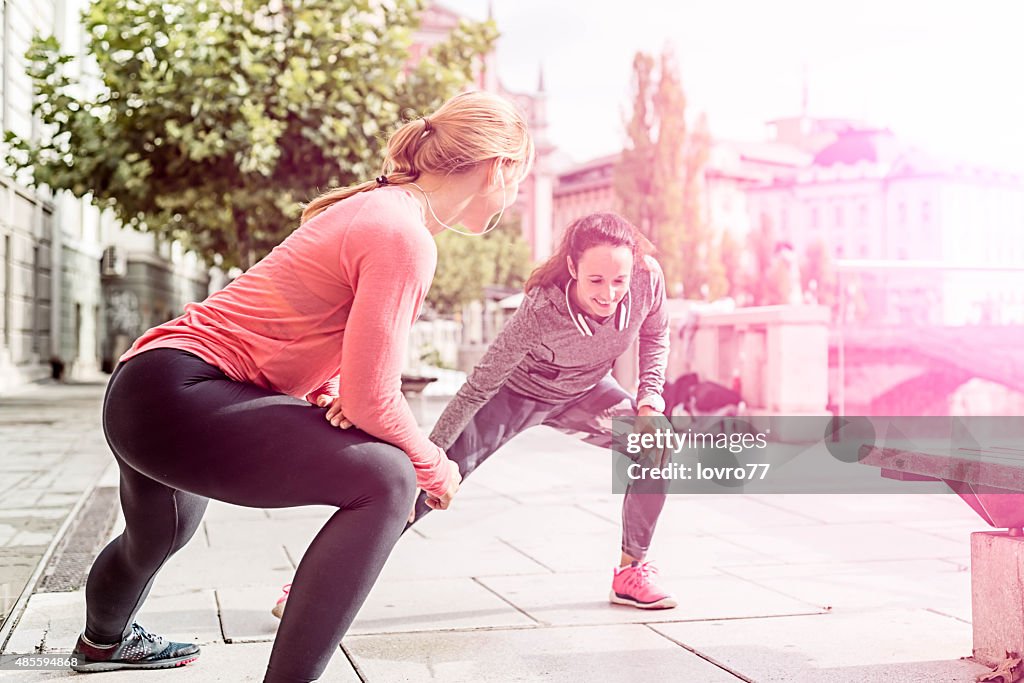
(872,201)
(534,204)
(868,197)
(733,167)
(586,188)
(49,250)
(75,288)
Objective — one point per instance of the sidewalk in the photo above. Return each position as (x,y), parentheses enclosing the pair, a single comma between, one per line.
(511,584)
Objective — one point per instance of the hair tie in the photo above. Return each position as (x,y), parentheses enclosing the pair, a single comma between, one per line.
(382,180)
(426,125)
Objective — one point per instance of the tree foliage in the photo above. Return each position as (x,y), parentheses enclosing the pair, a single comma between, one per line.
(466,264)
(633,181)
(658,179)
(818,274)
(212,120)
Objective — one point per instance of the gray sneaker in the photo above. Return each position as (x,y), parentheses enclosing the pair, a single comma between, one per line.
(137,650)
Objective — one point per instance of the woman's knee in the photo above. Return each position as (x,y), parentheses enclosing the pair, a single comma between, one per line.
(391,476)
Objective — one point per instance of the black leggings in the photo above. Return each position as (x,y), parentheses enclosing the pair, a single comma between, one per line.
(588,417)
(183,432)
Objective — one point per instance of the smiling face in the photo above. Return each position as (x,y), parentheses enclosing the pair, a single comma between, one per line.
(602,278)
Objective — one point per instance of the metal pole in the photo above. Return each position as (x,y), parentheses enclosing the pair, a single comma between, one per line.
(841,388)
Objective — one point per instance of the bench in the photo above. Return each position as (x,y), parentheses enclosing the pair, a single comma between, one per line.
(990,479)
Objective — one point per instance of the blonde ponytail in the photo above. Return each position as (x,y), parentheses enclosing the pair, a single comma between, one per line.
(470,128)
(327,199)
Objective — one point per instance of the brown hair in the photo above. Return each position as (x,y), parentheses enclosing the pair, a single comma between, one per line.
(589,231)
(467,129)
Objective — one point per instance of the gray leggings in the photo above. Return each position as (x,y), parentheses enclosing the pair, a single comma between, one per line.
(183,432)
(588,417)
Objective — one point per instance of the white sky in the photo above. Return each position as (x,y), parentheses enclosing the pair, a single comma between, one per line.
(946,74)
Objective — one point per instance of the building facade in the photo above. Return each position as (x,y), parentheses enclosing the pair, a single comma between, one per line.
(923,239)
(875,206)
(49,263)
(75,287)
(534,205)
(733,167)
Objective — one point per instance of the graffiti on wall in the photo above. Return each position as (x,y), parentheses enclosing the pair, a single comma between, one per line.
(123,316)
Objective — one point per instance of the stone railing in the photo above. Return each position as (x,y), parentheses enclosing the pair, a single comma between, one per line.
(775,356)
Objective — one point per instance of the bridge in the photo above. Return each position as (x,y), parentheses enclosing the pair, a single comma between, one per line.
(913,370)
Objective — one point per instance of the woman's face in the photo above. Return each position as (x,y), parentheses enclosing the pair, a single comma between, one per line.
(602,278)
(496,192)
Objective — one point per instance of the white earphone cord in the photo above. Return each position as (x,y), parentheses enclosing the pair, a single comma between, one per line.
(462,232)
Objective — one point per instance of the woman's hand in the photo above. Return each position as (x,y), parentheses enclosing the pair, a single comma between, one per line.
(651,421)
(412,513)
(334,414)
(445,501)
(647,411)
(337,418)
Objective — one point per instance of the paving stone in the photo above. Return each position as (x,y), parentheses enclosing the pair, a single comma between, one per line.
(582,598)
(392,606)
(602,653)
(871,646)
(53,621)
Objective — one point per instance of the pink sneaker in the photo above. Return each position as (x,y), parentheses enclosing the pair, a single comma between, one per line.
(634,585)
(278,609)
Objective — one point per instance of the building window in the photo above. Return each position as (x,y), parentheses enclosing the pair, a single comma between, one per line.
(901,213)
(814,217)
(8,281)
(839,216)
(863,215)
(76,343)
(36,299)
(926,213)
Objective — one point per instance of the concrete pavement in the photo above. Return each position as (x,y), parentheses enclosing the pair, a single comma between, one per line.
(511,584)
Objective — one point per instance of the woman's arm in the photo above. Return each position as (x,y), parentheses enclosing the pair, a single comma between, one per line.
(514,341)
(390,276)
(653,342)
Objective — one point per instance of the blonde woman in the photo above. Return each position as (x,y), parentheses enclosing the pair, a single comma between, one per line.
(216,403)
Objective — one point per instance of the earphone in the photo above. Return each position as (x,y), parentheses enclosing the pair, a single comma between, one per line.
(501,213)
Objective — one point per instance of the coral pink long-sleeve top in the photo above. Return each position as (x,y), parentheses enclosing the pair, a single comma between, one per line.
(336,299)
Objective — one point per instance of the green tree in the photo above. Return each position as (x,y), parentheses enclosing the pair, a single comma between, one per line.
(466,264)
(699,260)
(657,179)
(214,119)
(817,274)
(668,170)
(717,274)
(763,281)
(731,257)
(633,182)
(779,283)
(512,262)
